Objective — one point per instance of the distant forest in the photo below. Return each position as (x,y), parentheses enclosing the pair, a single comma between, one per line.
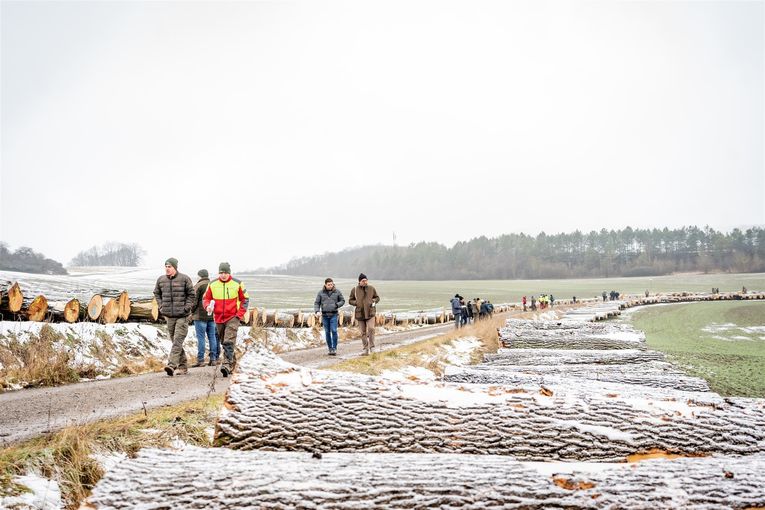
(26,260)
(608,253)
(110,254)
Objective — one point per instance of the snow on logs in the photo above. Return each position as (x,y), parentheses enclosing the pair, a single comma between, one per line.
(156,478)
(273,405)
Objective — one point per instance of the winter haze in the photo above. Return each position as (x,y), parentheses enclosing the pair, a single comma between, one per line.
(255,132)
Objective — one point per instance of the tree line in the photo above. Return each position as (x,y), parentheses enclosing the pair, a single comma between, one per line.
(110,254)
(604,253)
(26,260)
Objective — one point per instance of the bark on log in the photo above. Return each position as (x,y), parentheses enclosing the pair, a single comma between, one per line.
(278,406)
(281,480)
(247,318)
(95,307)
(512,357)
(652,375)
(146,310)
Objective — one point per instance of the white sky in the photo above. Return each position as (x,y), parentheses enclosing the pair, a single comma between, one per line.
(258,131)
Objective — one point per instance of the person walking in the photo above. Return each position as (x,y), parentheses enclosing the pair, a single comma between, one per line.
(604,295)
(475,311)
(457,311)
(364,297)
(204,325)
(175,297)
(552,301)
(524,303)
(227,299)
(326,305)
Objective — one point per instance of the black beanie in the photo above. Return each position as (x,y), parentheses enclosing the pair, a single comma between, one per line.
(224,267)
(362,276)
(173,262)
(203,273)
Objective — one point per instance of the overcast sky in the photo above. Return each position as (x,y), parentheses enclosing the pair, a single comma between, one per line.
(255,132)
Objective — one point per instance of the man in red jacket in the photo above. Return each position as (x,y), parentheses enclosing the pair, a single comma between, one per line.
(227,299)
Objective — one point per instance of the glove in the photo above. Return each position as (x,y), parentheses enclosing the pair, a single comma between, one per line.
(211,306)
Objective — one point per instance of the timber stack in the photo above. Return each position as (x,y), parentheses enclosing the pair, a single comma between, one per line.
(604,397)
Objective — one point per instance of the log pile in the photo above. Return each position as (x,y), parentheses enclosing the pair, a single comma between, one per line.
(273,405)
(156,478)
(293,436)
(106,306)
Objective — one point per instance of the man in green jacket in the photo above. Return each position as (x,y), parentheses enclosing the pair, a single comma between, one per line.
(364,297)
(175,296)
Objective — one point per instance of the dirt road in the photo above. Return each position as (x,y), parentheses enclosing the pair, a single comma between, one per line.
(31,412)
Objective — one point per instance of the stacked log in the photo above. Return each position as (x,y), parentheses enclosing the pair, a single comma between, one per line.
(95,307)
(399,481)
(12,299)
(284,320)
(70,311)
(144,310)
(110,312)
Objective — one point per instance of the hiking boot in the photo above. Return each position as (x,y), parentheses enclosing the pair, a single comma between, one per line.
(365,352)
(182,371)
(225,370)
(212,363)
(169,370)
(198,364)
(333,352)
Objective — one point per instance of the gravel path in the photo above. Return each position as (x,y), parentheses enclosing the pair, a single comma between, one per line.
(31,412)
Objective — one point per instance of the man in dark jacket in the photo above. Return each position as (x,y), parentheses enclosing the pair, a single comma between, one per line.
(175,296)
(204,325)
(364,297)
(328,302)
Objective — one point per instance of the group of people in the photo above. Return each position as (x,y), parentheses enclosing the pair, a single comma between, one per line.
(217,308)
(545,301)
(327,305)
(466,312)
(614,295)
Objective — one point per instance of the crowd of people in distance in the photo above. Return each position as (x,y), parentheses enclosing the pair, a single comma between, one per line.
(545,301)
(466,312)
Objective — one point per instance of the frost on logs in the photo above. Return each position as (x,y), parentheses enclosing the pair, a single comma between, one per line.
(273,405)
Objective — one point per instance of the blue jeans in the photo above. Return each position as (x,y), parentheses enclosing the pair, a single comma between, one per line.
(201,328)
(330,330)
(457,320)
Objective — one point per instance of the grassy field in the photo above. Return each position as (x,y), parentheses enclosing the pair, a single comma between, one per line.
(286,292)
(722,342)
(299,291)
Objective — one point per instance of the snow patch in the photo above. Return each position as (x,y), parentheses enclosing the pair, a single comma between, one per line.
(45,494)
(409,373)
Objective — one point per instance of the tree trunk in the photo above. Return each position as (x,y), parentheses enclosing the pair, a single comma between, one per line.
(70,311)
(37,309)
(348,412)
(95,307)
(110,311)
(284,320)
(158,478)
(12,299)
(123,306)
(144,310)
